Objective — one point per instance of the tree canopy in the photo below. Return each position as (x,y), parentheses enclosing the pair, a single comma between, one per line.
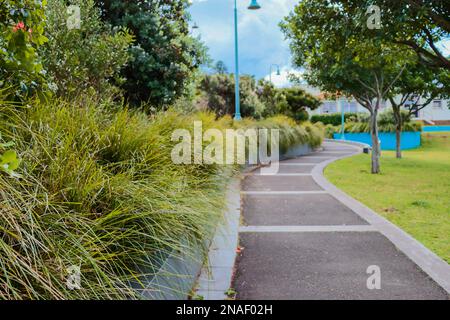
(339,57)
(417,25)
(165,57)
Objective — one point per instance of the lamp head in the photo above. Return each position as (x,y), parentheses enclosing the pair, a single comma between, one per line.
(254,5)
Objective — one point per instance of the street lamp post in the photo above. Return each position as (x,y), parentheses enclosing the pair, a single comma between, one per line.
(278,71)
(253,6)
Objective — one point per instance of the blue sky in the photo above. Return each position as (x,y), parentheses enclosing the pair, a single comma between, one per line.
(260,38)
(261,41)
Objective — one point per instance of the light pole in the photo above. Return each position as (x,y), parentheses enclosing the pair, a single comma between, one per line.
(253,6)
(278,71)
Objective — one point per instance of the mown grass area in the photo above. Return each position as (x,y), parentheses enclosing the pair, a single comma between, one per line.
(413,192)
(97,189)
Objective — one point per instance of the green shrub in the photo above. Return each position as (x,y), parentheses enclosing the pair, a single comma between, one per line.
(21,34)
(301,116)
(333,118)
(291,102)
(291,133)
(83,59)
(387,118)
(356,127)
(219,95)
(330,130)
(386,123)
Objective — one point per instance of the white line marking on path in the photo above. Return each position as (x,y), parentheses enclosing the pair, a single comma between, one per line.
(279,175)
(343,151)
(361,228)
(317,157)
(282,192)
(297,164)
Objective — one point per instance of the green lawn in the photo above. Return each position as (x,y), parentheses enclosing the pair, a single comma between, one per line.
(413,192)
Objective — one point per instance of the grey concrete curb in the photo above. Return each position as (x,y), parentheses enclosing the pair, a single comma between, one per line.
(430,263)
(215,277)
(349,142)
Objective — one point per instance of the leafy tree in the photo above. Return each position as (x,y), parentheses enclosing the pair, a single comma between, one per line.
(21,34)
(291,102)
(220,67)
(273,99)
(87,58)
(298,100)
(415,24)
(218,91)
(417,87)
(165,57)
(340,59)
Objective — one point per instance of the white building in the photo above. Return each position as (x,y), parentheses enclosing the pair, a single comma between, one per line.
(437,112)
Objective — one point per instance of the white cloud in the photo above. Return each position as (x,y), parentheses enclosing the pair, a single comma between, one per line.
(261,42)
(282,80)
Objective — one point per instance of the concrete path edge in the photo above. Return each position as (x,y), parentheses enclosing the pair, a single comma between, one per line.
(429,262)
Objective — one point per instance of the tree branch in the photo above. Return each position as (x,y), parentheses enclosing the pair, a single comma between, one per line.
(367,86)
(433,47)
(393,81)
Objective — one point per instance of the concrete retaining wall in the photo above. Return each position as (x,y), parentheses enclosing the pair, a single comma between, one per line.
(409,140)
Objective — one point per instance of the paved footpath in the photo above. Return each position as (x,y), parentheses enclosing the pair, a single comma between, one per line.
(300,242)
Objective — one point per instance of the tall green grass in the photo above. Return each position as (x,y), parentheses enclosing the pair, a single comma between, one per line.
(98,190)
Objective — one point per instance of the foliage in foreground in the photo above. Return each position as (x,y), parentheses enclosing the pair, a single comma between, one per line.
(98,191)
(21,34)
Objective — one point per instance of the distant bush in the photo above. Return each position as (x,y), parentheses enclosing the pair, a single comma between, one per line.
(355,127)
(357,123)
(333,118)
(292,102)
(218,95)
(291,133)
(387,118)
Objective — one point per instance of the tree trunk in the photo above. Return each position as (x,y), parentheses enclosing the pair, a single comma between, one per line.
(398,135)
(398,131)
(375,142)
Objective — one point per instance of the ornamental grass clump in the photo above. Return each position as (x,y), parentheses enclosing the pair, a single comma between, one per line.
(97,190)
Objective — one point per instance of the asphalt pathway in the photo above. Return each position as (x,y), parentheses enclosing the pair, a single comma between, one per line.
(300,242)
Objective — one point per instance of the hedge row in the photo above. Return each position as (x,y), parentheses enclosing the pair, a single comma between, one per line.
(333,118)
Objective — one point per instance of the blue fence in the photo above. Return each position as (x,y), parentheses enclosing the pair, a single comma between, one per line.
(409,140)
(436,128)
